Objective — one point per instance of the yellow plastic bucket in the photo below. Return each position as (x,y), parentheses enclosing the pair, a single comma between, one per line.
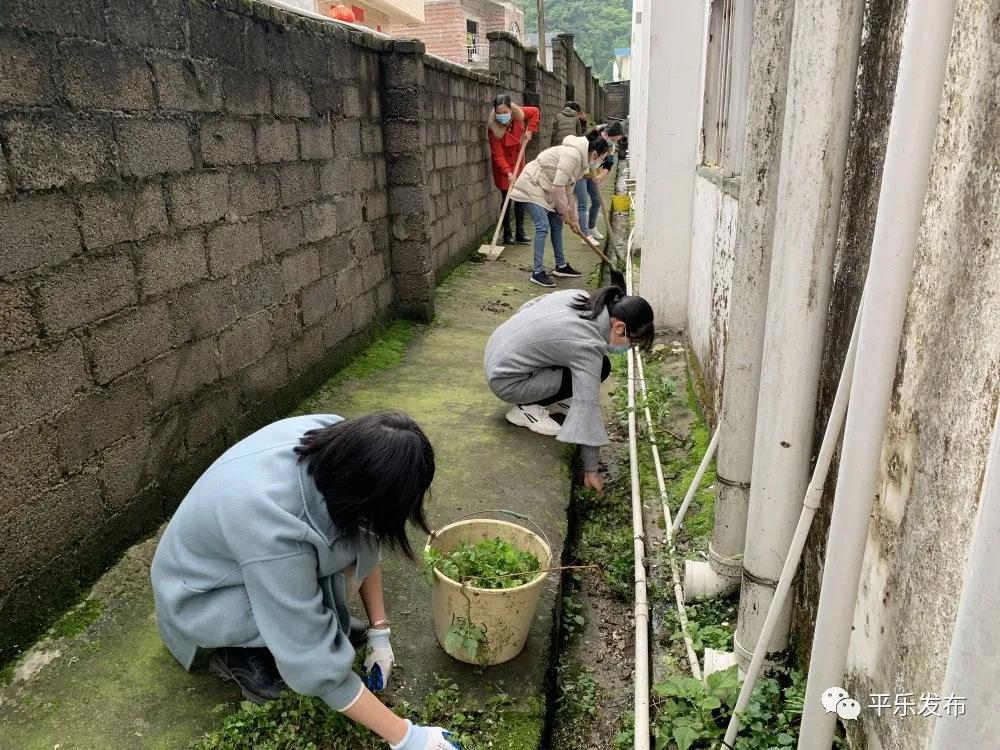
(503,617)
(620,203)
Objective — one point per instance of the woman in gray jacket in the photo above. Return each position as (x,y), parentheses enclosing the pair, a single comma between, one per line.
(553,353)
(547,187)
(263,553)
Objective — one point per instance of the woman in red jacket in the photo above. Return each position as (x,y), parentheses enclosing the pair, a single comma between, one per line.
(509,126)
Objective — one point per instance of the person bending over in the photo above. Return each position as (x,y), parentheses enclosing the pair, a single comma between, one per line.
(264,551)
(552,353)
(510,127)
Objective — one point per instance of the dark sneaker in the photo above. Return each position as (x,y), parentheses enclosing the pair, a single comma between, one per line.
(253,669)
(507,241)
(542,279)
(567,272)
(522,239)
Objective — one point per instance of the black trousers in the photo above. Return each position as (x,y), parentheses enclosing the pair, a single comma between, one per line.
(566,387)
(518,210)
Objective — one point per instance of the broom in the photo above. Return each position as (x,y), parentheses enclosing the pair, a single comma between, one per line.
(492,251)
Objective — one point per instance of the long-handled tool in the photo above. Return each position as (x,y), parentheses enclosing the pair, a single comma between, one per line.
(492,251)
(617,277)
(607,216)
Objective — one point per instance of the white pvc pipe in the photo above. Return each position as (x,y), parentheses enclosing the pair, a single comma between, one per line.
(975,650)
(696,482)
(811,501)
(642,733)
(823,63)
(915,114)
(668,526)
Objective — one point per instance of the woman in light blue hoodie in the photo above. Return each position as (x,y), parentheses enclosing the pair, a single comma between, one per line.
(263,553)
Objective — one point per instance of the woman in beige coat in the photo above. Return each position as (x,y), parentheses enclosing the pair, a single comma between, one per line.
(546,187)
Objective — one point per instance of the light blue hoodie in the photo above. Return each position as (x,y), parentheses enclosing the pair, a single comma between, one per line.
(251,558)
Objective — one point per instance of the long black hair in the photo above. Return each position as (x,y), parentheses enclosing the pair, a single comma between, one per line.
(373,471)
(630,309)
(502,100)
(597,143)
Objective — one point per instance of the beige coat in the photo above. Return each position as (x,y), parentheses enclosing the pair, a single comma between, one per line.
(549,179)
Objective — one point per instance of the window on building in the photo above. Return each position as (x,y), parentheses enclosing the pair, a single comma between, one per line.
(730,33)
(475,50)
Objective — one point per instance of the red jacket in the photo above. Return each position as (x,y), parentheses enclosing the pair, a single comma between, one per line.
(504,148)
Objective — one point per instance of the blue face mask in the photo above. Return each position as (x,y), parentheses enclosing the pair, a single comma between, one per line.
(503,119)
(618,348)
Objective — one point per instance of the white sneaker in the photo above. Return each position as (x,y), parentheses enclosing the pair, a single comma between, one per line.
(559,407)
(595,234)
(535,418)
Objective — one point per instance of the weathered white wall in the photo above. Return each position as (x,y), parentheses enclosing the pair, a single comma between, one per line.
(713,242)
(670,155)
(944,403)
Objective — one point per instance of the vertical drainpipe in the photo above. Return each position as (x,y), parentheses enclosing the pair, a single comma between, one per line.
(915,114)
(823,64)
(768,76)
(975,650)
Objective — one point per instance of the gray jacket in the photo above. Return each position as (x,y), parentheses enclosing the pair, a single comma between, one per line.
(251,558)
(526,354)
(566,123)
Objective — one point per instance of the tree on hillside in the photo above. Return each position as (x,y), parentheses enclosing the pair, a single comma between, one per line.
(599,27)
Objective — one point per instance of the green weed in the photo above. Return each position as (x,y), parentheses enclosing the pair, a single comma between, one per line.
(489,564)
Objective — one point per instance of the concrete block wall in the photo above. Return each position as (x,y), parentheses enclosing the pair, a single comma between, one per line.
(195,208)
(616,99)
(443,31)
(507,61)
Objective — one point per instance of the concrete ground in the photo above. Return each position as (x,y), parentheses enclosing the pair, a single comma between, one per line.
(115,686)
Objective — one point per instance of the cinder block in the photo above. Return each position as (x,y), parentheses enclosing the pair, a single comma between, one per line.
(232,246)
(373,271)
(140,23)
(371,137)
(181,373)
(376,206)
(319,300)
(321,220)
(335,176)
(5,186)
(261,380)
(258,288)
(402,136)
(227,141)
(300,268)
(216,34)
(18,328)
(326,98)
(245,343)
(135,336)
(109,216)
(384,296)
(350,283)
(298,183)
(28,465)
(252,191)
(282,230)
(363,310)
(286,320)
(211,417)
(306,350)
(153,147)
(54,150)
(186,85)
(407,200)
(246,94)
(85,291)
(58,372)
(171,262)
(199,198)
(362,242)
(316,140)
(202,309)
(347,137)
(353,103)
(334,254)
(39,531)
(336,328)
(406,169)
(99,418)
(37,230)
(277,141)
(97,76)
(84,18)
(403,70)
(32,85)
(290,98)
(409,258)
(129,466)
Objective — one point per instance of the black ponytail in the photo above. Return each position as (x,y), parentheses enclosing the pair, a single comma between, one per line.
(632,310)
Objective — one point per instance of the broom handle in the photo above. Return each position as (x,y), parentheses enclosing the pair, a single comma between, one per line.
(607,218)
(506,201)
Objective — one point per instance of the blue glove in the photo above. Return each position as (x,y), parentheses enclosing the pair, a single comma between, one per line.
(378,660)
(426,738)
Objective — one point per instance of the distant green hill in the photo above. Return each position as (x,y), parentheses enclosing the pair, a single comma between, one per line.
(599,25)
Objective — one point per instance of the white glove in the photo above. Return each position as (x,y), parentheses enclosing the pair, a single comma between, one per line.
(426,738)
(378,660)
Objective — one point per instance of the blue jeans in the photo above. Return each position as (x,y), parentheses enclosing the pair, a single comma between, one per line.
(544,221)
(583,189)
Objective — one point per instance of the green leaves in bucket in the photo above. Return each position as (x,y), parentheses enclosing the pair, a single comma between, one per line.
(490,564)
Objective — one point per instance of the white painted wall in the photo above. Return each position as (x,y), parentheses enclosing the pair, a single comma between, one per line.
(637,108)
(670,151)
(713,247)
